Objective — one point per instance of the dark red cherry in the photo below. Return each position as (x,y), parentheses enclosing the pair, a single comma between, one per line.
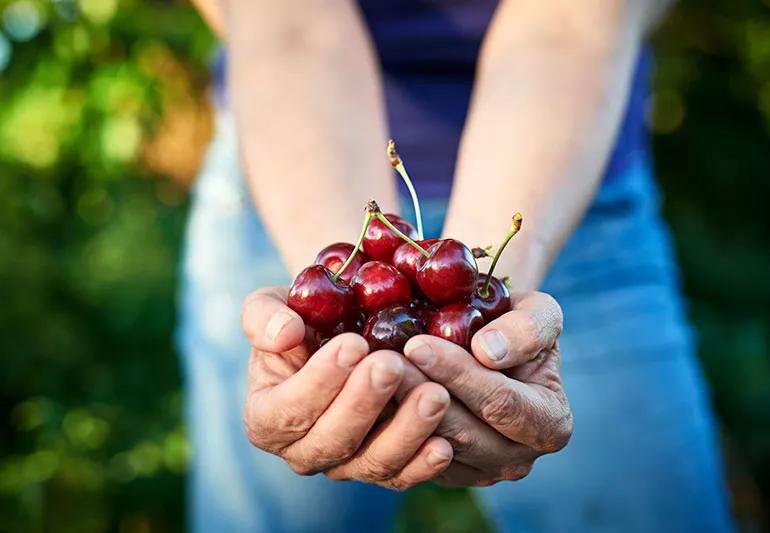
(390,328)
(449,275)
(497,301)
(352,323)
(335,255)
(406,257)
(318,299)
(457,323)
(424,309)
(380,242)
(378,285)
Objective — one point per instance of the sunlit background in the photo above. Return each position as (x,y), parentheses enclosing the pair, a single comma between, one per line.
(104,117)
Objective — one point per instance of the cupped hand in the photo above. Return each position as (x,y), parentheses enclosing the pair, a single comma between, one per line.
(508,405)
(320,413)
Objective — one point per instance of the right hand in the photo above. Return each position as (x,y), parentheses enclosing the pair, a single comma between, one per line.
(317,412)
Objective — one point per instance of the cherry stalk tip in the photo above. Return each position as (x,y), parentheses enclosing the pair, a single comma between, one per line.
(372,206)
(515,227)
(393,156)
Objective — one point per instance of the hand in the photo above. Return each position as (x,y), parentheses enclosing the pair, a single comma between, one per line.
(317,412)
(498,422)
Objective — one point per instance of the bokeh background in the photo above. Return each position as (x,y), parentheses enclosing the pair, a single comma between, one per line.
(104,118)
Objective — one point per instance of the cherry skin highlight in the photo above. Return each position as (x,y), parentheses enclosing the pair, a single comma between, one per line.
(450,274)
(335,255)
(391,327)
(380,242)
(378,285)
(406,257)
(318,299)
(457,323)
(497,301)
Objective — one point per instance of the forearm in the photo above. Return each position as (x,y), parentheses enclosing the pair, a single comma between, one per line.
(549,96)
(311,126)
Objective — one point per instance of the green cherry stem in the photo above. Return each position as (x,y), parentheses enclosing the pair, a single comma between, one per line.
(367,220)
(398,164)
(515,227)
(398,232)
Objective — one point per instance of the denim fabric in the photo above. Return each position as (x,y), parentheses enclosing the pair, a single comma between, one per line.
(643,456)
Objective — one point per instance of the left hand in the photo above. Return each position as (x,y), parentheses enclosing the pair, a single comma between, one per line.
(508,406)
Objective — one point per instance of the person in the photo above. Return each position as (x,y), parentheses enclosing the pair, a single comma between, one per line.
(542,103)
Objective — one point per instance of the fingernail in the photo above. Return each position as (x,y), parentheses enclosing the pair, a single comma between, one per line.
(494,345)
(421,354)
(385,375)
(431,404)
(437,457)
(276,324)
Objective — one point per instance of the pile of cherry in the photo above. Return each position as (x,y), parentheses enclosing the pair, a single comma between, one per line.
(393,285)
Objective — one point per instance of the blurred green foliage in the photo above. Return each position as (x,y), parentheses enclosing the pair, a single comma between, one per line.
(712,148)
(102,122)
(91,436)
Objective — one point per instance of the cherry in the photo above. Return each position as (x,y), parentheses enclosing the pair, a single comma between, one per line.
(318,298)
(497,301)
(335,255)
(380,241)
(378,285)
(352,323)
(424,309)
(457,323)
(391,327)
(449,274)
(406,257)
(491,296)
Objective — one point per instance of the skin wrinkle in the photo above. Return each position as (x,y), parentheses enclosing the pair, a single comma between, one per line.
(577,73)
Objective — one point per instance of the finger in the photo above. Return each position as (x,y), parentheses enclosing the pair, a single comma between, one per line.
(339,431)
(474,442)
(269,324)
(531,415)
(390,447)
(459,475)
(277,416)
(519,335)
(432,457)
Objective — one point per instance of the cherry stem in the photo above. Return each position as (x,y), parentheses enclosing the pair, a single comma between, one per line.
(382,218)
(367,220)
(398,164)
(515,227)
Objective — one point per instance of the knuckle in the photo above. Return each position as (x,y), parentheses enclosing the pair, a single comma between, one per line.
(501,408)
(556,439)
(530,333)
(336,451)
(302,468)
(375,470)
(289,422)
(518,472)
(255,436)
(556,311)
(399,484)
(316,455)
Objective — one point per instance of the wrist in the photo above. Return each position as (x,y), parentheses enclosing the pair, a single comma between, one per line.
(525,260)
